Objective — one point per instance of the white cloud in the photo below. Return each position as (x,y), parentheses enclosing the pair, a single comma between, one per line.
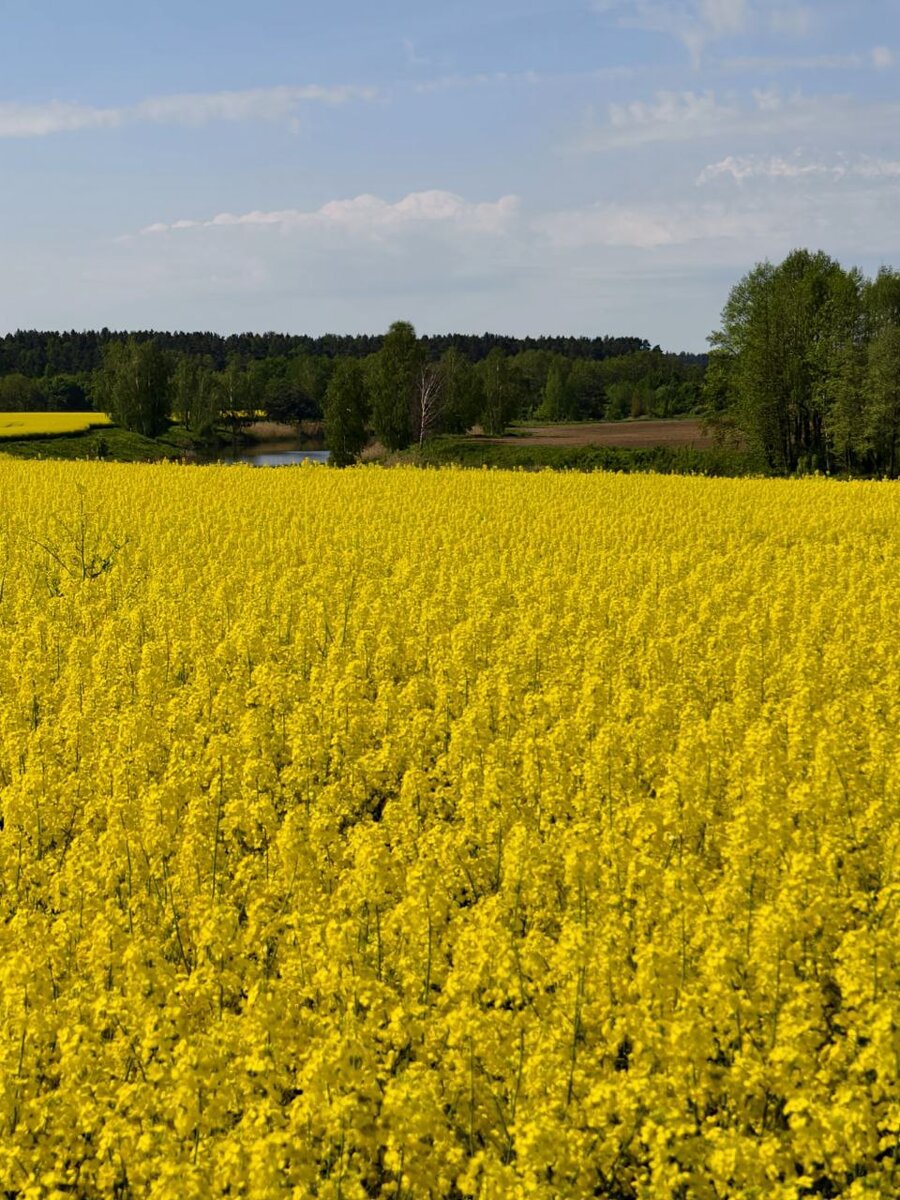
(671,116)
(724,16)
(368,215)
(768,100)
(698,23)
(484,79)
(38,120)
(413,58)
(694,22)
(795,20)
(882,58)
(815,62)
(256,104)
(854,217)
(655,265)
(197,109)
(345,226)
(527,78)
(669,108)
(692,116)
(648,227)
(744,167)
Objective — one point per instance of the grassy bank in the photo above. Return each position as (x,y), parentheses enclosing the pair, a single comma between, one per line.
(91,436)
(113,443)
(665,460)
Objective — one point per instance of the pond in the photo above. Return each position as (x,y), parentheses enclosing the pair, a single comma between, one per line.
(271,454)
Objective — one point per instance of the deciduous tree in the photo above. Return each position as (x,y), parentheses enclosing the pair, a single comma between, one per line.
(395,378)
(134,386)
(346,408)
(196,396)
(882,409)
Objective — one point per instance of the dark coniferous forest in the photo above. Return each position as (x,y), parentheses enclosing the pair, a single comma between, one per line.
(36,353)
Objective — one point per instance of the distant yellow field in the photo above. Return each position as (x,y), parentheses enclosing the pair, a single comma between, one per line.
(48,424)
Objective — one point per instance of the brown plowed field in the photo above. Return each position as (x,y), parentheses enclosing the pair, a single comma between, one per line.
(631,434)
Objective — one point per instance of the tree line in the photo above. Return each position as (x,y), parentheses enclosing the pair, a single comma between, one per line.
(805,369)
(406,396)
(806,366)
(406,390)
(35,354)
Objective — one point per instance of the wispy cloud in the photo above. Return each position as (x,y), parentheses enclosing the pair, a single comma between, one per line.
(413,57)
(255,104)
(645,226)
(792,20)
(745,167)
(38,120)
(482,79)
(812,62)
(668,117)
(742,228)
(691,116)
(454,262)
(699,23)
(648,227)
(882,58)
(695,23)
(189,108)
(366,215)
(638,226)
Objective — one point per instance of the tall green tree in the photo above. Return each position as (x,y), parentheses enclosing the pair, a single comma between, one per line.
(134,386)
(585,388)
(295,388)
(395,380)
(463,395)
(18,393)
(499,398)
(345,411)
(529,370)
(552,407)
(843,389)
(66,393)
(196,394)
(881,300)
(882,408)
(241,392)
(785,332)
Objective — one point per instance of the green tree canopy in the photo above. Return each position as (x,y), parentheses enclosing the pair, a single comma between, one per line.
(586,390)
(345,408)
(394,380)
(787,332)
(882,393)
(463,395)
(552,407)
(500,401)
(134,386)
(196,394)
(241,392)
(18,393)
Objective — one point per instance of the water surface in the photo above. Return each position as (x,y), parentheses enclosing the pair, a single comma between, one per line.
(271,454)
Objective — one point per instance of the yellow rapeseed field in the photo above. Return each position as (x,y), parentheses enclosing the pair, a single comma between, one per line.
(48,424)
(392,833)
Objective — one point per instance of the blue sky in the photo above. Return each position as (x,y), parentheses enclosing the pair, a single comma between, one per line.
(583,166)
